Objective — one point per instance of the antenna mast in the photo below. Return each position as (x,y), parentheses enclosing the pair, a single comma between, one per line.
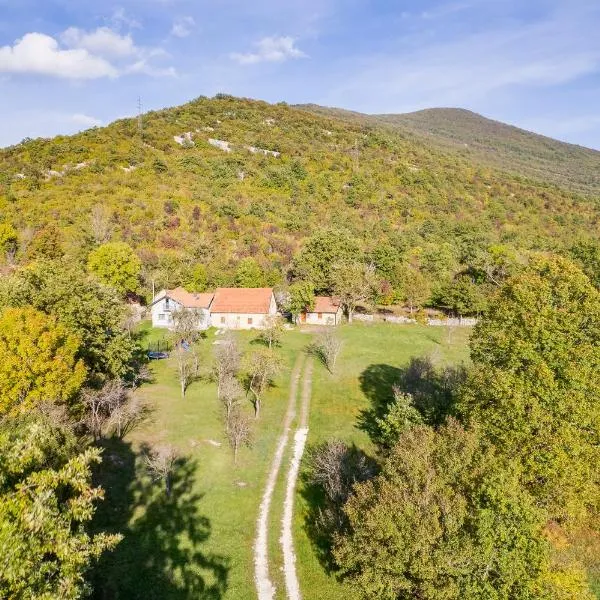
(139,118)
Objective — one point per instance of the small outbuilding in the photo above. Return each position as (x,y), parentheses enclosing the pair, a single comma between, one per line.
(326,311)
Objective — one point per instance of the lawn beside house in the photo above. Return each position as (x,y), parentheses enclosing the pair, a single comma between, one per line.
(198,543)
(370,357)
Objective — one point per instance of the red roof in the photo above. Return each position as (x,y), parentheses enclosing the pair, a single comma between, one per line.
(189,299)
(326,304)
(254,301)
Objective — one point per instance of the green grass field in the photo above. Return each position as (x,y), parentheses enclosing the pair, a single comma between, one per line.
(198,542)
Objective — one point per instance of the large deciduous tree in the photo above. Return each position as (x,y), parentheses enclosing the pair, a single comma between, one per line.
(321,252)
(301,298)
(414,288)
(353,283)
(38,360)
(249,274)
(46,500)
(535,385)
(442,522)
(117,265)
(92,310)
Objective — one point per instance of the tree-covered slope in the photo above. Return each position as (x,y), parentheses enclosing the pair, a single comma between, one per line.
(188,201)
(496,144)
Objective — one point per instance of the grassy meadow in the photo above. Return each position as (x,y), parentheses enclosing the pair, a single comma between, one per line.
(198,542)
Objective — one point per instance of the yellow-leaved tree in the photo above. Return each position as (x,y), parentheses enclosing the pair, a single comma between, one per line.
(38,360)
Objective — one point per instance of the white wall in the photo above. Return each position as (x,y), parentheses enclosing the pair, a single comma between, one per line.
(240,320)
(312,318)
(163,309)
(237,321)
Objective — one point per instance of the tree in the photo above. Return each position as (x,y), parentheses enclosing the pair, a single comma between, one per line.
(497,262)
(117,265)
(441,521)
(272,330)
(38,360)
(415,289)
(196,279)
(239,431)
(302,298)
(586,253)
(161,462)
(333,468)
(321,251)
(230,394)
(353,283)
(100,225)
(534,387)
(91,310)
(8,240)
(327,348)
(186,324)
(111,409)
(47,244)
(401,416)
(227,360)
(262,366)
(185,334)
(249,274)
(462,296)
(46,501)
(187,366)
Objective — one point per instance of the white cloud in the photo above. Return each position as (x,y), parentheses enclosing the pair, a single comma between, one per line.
(40,54)
(120,17)
(270,49)
(143,67)
(102,41)
(88,55)
(182,27)
(85,120)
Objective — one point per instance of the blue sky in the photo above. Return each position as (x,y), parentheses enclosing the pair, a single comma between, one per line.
(66,65)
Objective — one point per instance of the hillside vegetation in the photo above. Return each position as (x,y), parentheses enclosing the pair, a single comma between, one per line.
(181,200)
(495,144)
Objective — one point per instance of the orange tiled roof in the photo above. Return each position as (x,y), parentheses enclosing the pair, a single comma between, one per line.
(326,304)
(189,299)
(253,301)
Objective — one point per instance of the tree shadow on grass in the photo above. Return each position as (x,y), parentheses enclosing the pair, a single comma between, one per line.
(325,517)
(161,555)
(434,390)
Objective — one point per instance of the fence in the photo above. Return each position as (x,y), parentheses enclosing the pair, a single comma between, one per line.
(160,346)
(402,320)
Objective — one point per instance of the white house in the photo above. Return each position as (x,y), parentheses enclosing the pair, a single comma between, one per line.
(242,308)
(326,311)
(167,302)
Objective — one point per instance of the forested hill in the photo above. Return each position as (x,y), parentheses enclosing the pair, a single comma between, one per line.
(494,144)
(218,180)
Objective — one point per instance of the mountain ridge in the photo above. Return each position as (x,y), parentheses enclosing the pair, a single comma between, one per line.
(219,180)
(492,143)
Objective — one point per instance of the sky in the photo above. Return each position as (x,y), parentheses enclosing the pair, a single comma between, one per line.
(66,65)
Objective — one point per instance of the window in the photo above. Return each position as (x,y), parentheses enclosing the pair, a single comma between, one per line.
(161,317)
(222,320)
(249,320)
(319,315)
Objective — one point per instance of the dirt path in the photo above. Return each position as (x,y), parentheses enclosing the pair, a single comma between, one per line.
(264,586)
(292,584)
